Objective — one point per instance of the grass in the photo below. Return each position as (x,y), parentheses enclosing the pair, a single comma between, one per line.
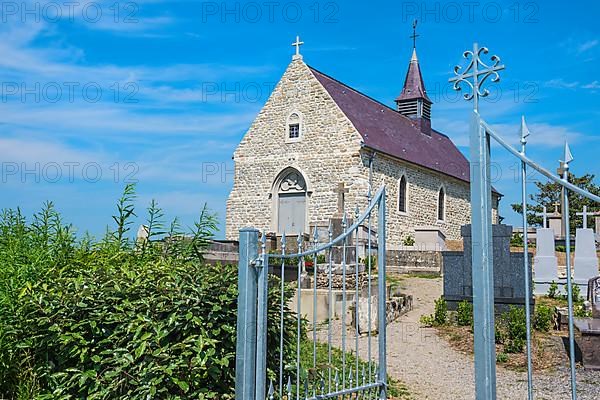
(396,390)
(546,348)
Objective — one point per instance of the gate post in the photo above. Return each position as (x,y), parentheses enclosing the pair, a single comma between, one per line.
(381,301)
(245,358)
(482,263)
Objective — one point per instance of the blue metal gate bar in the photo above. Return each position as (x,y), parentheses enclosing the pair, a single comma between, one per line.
(524,135)
(245,356)
(492,132)
(481,221)
(483,299)
(309,381)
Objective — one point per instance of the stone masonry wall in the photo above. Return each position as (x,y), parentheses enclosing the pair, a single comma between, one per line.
(325,155)
(328,153)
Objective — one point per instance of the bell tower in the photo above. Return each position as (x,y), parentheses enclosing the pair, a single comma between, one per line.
(413,101)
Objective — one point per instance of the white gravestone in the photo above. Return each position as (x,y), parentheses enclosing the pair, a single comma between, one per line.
(545,264)
(586,261)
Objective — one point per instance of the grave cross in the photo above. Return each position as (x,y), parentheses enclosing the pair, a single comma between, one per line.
(341,190)
(587,214)
(545,215)
(556,204)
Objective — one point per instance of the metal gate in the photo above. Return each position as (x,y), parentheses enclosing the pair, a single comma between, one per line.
(293,374)
(473,76)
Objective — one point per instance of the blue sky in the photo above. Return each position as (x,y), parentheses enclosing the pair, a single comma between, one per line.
(99,93)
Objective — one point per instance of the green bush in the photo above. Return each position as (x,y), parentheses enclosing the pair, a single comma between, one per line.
(408,241)
(118,319)
(543,318)
(440,315)
(516,240)
(553,290)
(502,357)
(427,320)
(576,291)
(516,330)
(464,313)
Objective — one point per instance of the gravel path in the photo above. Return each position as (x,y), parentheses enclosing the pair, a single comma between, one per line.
(431,369)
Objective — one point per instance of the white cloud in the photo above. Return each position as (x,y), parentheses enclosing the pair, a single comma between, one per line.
(560,83)
(592,85)
(585,46)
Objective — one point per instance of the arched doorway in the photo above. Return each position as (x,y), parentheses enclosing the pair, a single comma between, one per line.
(290,202)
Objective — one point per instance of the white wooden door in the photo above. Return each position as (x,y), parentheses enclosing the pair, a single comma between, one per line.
(291,211)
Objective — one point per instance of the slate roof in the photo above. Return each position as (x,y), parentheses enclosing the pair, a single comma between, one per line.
(387,131)
(414,87)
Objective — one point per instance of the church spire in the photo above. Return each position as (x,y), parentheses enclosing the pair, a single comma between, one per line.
(413,101)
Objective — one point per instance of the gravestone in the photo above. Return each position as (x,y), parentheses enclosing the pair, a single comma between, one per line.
(586,261)
(509,280)
(337,228)
(545,263)
(597,220)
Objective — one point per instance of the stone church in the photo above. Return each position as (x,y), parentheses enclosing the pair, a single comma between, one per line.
(317,140)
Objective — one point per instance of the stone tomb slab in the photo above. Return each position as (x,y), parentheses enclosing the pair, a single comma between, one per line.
(545,262)
(588,341)
(586,261)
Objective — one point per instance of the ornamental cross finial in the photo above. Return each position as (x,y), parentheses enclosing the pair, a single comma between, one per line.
(478,71)
(297,44)
(414,36)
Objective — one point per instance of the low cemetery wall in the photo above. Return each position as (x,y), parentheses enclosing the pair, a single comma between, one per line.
(414,261)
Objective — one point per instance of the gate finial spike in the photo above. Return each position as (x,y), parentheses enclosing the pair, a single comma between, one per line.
(356,212)
(330,231)
(315,234)
(299,241)
(288,387)
(568,155)
(263,242)
(344,222)
(524,130)
(283,240)
(271,390)
(363,374)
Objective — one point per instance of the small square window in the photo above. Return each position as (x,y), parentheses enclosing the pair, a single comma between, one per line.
(294,131)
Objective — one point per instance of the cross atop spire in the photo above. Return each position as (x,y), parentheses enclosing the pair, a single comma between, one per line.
(414,36)
(297,44)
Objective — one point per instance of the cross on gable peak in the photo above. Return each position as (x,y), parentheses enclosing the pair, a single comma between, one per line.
(297,44)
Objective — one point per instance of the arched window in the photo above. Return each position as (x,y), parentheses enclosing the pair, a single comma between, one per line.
(441,212)
(294,127)
(402,194)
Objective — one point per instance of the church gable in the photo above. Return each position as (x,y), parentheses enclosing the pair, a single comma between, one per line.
(298,117)
(302,136)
